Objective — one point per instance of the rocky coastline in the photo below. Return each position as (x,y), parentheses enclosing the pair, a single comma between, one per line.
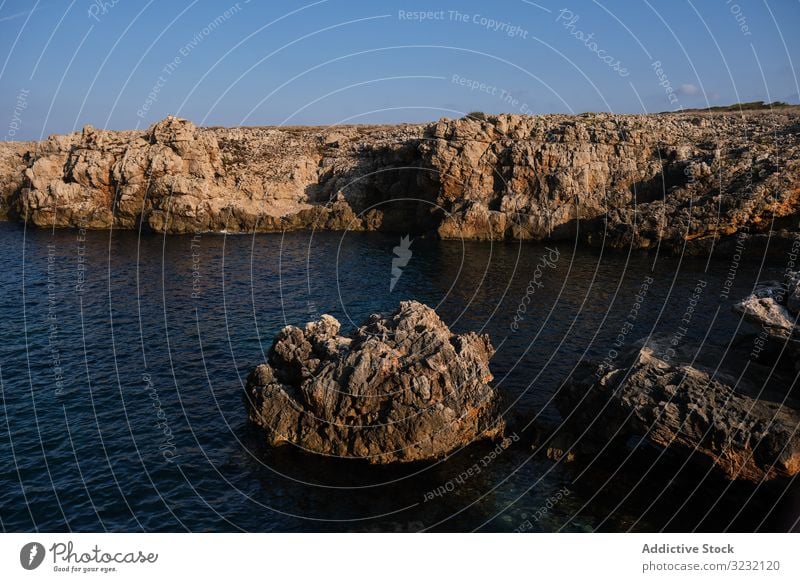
(682,182)
(401,387)
(734,407)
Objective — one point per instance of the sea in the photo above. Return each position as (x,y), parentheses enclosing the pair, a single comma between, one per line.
(123,357)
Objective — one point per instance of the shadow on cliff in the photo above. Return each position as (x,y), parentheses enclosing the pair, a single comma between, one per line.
(390,188)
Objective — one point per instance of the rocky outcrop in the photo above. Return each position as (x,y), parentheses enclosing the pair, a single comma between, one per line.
(400,388)
(100,179)
(736,407)
(177,178)
(12,174)
(683,181)
(680,180)
(773,309)
(743,422)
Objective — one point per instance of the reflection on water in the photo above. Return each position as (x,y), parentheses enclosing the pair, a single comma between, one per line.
(123,403)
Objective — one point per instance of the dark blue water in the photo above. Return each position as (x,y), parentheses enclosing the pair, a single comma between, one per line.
(123,359)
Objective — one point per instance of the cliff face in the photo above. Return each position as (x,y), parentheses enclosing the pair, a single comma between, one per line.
(619,180)
(675,179)
(12,173)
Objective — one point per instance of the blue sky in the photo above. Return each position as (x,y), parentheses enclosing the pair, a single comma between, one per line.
(128,63)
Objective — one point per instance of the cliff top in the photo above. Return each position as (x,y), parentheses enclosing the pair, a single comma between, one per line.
(744,110)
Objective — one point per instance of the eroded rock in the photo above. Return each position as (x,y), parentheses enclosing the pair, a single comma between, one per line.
(400,388)
(612,180)
(747,426)
(773,309)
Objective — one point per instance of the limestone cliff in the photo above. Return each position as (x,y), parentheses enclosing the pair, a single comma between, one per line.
(685,180)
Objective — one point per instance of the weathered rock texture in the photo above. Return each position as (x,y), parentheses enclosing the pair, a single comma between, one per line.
(13,161)
(773,309)
(742,420)
(400,388)
(678,180)
(177,178)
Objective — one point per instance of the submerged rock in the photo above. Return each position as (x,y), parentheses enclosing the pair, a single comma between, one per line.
(746,426)
(400,388)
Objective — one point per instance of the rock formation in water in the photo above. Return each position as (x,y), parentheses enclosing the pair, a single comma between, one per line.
(685,181)
(400,388)
(715,404)
(773,309)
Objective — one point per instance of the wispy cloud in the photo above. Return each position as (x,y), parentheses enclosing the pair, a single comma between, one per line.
(18,14)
